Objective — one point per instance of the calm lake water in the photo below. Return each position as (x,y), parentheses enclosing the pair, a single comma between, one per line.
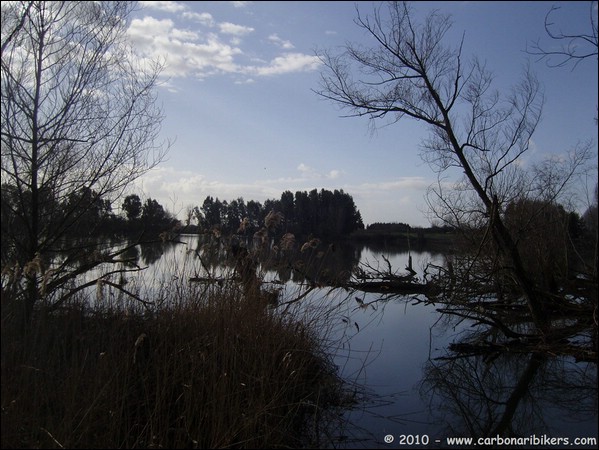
(393,350)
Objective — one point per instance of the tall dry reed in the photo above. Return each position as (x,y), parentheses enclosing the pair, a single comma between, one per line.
(221,371)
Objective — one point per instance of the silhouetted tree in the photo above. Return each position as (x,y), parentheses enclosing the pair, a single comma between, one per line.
(154,216)
(132,207)
(288,209)
(91,211)
(254,213)
(78,113)
(542,234)
(320,213)
(412,71)
(234,213)
(211,211)
(592,231)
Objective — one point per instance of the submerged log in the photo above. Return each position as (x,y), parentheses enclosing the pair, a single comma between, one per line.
(391,287)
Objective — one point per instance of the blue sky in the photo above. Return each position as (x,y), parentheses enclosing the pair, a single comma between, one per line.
(237,94)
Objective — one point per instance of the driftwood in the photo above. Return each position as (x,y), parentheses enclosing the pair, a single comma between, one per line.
(389,282)
(390,287)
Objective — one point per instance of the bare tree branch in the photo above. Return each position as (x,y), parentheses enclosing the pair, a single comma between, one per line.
(79,114)
(575,48)
(411,71)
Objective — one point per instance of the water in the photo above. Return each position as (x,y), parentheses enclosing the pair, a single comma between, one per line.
(390,349)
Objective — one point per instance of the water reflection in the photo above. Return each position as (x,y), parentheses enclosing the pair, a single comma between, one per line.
(512,396)
(213,256)
(396,351)
(417,387)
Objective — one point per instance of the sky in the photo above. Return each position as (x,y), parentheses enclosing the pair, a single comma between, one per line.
(238,95)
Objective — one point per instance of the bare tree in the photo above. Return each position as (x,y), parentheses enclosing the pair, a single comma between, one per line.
(16,17)
(575,46)
(411,72)
(78,115)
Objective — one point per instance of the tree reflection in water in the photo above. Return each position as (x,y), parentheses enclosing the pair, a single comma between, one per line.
(486,384)
(509,395)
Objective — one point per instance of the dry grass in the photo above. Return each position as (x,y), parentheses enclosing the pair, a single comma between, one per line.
(220,372)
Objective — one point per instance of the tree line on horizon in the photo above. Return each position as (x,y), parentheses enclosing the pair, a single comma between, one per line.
(324,213)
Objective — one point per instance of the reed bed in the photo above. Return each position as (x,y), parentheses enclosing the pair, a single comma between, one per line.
(216,371)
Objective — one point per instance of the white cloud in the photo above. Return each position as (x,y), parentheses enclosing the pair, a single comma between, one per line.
(203,18)
(198,52)
(175,189)
(303,168)
(287,45)
(290,62)
(241,4)
(401,200)
(235,30)
(164,6)
(246,81)
(308,172)
(160,40)
(418,183)
(184,35)
(141,30)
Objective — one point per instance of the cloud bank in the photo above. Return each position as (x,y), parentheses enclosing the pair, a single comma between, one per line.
(195,44)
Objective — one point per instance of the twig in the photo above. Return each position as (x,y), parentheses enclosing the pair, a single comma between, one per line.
(51,437)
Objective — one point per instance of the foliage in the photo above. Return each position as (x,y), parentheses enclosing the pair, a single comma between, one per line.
(319,213)
(389,227)
(132,206)
(154,216)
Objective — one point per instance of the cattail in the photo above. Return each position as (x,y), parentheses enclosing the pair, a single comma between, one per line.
(273,219)
(261,235)
(243,225)
(34,266)
(287,241)
(12,272)
(312,243)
